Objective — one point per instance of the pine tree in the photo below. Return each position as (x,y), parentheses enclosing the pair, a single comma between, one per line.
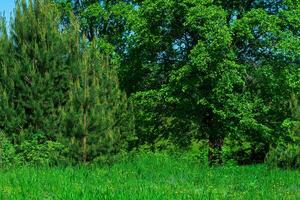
(57,86)
(37,58)
(97,114)
(9,115)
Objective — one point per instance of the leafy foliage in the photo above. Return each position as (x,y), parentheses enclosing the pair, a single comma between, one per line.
(38,151)
(7,152)
(285,156)
(225,72)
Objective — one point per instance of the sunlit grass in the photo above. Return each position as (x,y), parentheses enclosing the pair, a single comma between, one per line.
(150,177)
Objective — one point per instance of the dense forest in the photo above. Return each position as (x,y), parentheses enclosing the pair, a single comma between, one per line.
(87,81)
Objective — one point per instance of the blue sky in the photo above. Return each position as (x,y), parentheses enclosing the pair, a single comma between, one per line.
(7,6)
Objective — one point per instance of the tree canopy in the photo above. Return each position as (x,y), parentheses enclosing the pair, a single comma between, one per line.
(223,71)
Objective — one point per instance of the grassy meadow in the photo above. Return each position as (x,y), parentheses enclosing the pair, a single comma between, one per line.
(149,176)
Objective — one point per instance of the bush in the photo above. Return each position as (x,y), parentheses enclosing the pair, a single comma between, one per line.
(197,152)
(243,151)
(285,155)
(42,152)
(7,152)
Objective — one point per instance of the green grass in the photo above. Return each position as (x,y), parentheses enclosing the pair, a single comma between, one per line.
(150,177)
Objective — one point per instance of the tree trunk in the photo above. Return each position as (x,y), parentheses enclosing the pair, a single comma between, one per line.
(215,151)
(84,149)
(85,110)
(84,139)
